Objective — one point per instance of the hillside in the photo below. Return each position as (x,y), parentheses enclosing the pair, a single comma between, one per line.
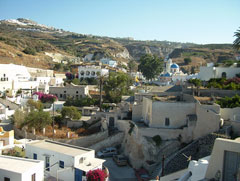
(26,42)
(202,54)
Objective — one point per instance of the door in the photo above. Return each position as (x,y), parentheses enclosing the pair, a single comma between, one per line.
(111,122)
(231,166)
(34,156)
(47,163)
(78,175)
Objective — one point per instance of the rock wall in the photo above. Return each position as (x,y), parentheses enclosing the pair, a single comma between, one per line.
(108,142)
(140,148)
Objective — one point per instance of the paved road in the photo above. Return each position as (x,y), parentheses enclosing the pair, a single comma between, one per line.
(119,173)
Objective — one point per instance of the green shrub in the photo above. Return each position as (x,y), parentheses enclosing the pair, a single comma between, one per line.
(131,128)
(30,51)
(157,139)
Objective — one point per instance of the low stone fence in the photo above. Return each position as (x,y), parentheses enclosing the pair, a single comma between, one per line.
(109,142)
(19,134)
(86,141)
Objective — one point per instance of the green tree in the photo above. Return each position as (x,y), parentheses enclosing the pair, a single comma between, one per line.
(197,83)
(35,104)
(30,51)
(150,66)
(71,112)
(19,118)
(38,119)
(58,66)
(132,65)
(116,85)
(187,60)
(76,81)
(236,43)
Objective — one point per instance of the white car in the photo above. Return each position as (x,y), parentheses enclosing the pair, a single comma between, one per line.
(107,152)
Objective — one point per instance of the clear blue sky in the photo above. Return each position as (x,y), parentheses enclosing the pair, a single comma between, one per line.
(198,21)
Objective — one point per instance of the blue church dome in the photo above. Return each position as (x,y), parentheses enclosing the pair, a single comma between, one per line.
(174,66)
(167,75)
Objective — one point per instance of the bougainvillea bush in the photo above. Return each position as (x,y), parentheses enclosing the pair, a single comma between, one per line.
(96,175)
(44,98)
(70,76)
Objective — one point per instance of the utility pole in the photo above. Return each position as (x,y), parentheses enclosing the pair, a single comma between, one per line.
(53,121)
(163,159)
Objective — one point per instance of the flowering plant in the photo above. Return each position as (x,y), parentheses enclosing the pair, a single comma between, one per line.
(96,175)
(45,97)
(70,76)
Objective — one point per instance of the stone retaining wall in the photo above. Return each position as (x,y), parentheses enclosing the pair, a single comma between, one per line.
(86,141)
(109,142)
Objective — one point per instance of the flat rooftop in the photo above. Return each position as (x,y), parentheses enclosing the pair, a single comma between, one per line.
(16,164)
(60,147)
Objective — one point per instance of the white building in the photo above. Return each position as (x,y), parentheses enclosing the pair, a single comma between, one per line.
(91,71)
(70,90)
(88,58)
(15,77)
(172,73)
(206,73)
(109,62)
(176,115)
(222,164)
(63,161)
(20,169)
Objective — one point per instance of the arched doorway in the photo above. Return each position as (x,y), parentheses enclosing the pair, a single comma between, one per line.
(111,122)
(224,75)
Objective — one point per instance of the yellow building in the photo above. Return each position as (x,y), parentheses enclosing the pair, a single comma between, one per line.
(7,137)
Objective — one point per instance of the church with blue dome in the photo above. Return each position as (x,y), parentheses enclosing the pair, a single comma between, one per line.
(171,72)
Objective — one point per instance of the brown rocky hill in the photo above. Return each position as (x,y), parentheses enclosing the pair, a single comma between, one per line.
(26,42)
(201,55)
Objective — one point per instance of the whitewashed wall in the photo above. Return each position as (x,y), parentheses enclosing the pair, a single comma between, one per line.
(207,121)
(175,111)
(232,114)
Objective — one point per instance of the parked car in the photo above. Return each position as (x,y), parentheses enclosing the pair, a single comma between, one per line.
(142,174)
(107,152)
(120,160)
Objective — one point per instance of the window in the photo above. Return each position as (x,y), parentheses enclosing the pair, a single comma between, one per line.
(6,179)
(34,156)
(65,91)
(167,121)
(47,163)
(76,92)
(61,164)
(34,177)
(61,96)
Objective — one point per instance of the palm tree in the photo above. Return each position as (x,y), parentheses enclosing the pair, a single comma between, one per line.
(101,78)
(236,43)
